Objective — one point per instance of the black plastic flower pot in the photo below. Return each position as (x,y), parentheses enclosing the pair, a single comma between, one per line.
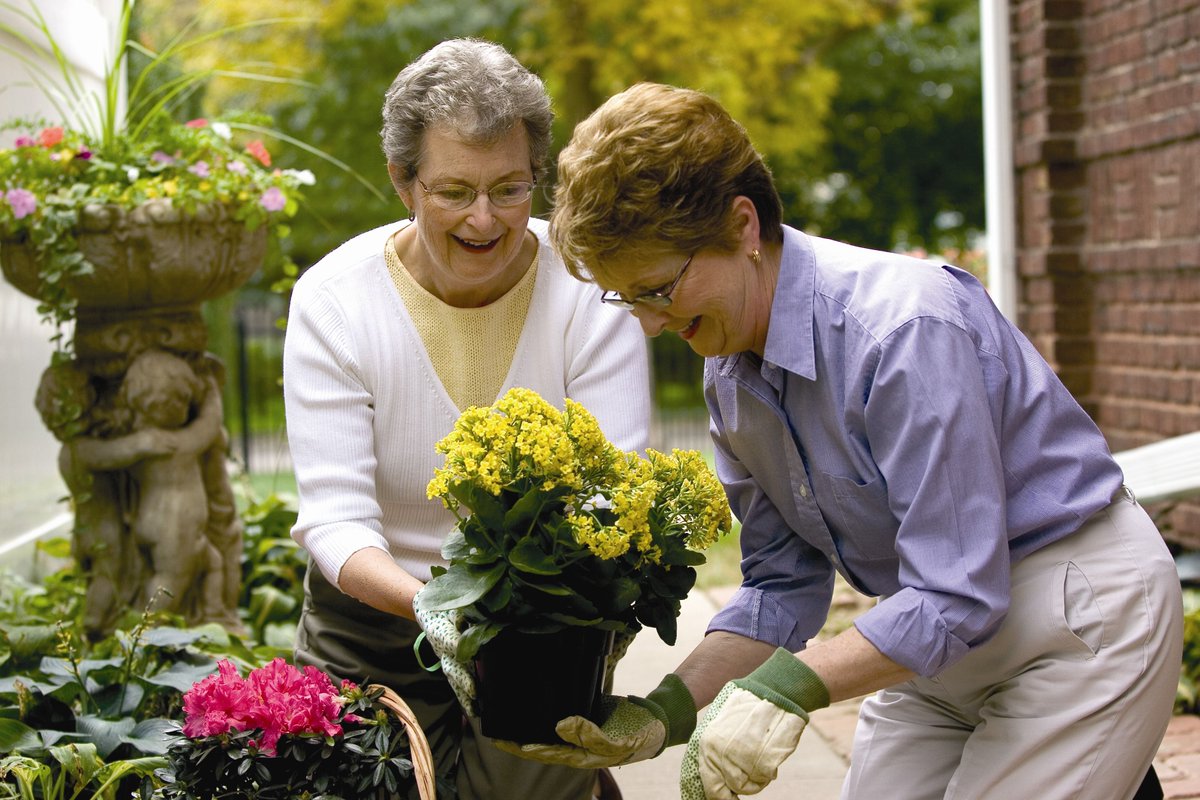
(527,682)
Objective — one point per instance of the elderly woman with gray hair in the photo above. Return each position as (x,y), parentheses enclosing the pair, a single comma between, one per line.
(396,332)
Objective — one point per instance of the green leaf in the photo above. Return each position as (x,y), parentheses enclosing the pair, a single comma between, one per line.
(152,735)
(528,556)
(181,675)
(177,638)
(16,736)
(524,510)
(31,640)
(79,760)
(475,637)
(105,734)
(460,587)
(455,546)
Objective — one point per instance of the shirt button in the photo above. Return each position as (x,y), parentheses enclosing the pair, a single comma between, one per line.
(803,490)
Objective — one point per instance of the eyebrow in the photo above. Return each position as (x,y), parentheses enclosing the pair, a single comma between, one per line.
(514,175)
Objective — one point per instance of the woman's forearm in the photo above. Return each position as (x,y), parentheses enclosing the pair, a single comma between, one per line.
(371,576)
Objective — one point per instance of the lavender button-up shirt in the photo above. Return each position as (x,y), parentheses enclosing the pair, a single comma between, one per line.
(899,430)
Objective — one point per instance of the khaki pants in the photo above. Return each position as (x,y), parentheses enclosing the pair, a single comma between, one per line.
(1070,699)
(351,640)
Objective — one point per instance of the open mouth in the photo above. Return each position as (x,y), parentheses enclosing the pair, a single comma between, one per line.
(690,330)
(472,246)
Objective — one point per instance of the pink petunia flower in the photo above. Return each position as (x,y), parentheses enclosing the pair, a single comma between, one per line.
(22,202)
(49,137)
(199,169)
(160,157)
(237,167)
(84,155)
(24,141)
(199,122)
(273,199)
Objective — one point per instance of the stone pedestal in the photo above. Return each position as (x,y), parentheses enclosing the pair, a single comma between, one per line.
(137,408)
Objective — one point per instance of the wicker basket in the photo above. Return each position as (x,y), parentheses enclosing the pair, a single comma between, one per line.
(422,757)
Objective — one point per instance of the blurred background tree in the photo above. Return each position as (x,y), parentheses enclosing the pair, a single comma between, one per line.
(868,111)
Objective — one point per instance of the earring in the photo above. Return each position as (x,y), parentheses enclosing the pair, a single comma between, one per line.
(756,257)
(412,215)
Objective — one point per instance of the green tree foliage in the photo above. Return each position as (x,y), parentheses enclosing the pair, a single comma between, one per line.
(904,162)
(766,64)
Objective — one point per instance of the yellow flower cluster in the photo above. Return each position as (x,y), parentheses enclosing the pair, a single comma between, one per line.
(521,438)
(617,504)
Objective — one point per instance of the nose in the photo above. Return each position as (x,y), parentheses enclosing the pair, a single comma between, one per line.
(480,211)
(652,320)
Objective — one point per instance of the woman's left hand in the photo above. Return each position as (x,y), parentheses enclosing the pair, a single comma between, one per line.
(443,630)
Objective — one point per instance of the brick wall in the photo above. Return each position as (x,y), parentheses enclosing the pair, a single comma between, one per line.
(1106,132)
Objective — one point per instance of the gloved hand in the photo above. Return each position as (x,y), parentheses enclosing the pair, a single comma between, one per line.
(443,629)
(621,642)
(635,728)
(751,727)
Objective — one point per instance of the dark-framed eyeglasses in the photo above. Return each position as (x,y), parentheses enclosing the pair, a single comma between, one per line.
(455,196)
(658,298)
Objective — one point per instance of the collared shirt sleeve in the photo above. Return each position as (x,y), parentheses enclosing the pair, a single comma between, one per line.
(787,585)
(937,447)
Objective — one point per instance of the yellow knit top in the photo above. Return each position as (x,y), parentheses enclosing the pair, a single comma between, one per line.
(471,349)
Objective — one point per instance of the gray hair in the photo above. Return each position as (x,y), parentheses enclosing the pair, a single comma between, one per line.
(475,87)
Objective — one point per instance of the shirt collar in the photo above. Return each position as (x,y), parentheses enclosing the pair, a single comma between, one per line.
(790,341)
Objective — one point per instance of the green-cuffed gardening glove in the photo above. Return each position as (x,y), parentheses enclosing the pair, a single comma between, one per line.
(443,629)
(751,727)
(634,729)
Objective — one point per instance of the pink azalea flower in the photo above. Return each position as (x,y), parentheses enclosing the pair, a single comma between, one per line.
(275,699)
(22,202)
(273,199)
(219,704)
(199,169)
(24,141)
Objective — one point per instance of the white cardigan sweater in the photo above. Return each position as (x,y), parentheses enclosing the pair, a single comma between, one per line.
(365,406)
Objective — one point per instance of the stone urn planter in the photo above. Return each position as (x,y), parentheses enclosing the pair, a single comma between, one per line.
(137,407)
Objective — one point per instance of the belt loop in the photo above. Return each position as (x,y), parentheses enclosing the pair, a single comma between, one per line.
(1124,493)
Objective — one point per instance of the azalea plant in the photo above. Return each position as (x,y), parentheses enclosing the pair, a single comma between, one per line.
(281,733)
(557,527)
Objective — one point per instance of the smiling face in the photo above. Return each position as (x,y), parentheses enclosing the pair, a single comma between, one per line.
(720,306)
(472,256)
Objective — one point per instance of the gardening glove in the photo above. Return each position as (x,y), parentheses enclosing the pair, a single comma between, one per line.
(751,727)
(443,629)
(621,642)
(635,728)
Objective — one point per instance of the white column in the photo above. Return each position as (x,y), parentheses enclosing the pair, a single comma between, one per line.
(998,155)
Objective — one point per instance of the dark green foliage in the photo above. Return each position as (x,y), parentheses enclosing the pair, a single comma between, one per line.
(903,166)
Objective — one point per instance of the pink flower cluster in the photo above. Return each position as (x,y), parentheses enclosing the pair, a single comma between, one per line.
(276,699)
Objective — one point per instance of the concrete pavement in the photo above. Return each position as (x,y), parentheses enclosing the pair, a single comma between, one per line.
(814,772)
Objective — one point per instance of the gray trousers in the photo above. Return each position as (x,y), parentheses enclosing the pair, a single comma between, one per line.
(351,640)
(1070,699)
